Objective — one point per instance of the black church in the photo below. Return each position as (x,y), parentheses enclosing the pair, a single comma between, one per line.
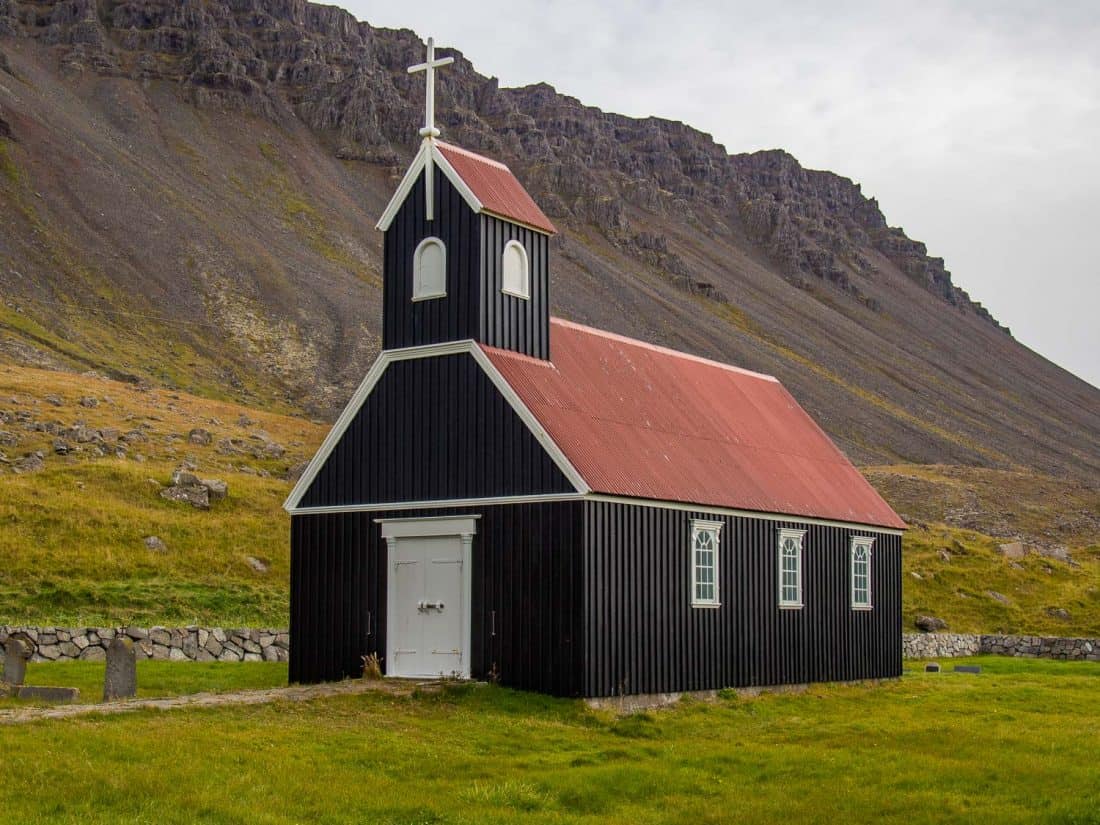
(514,496)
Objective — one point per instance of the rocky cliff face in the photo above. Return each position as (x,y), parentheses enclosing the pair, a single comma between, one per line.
(287,59)
(187,191)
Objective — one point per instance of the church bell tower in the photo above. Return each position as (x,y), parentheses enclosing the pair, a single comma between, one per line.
(466,250)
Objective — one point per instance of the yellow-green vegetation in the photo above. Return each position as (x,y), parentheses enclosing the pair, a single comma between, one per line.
(304,218)
(156,679)
(7,164)
(72,536)
(1013,744)
(955,568)
(960,576)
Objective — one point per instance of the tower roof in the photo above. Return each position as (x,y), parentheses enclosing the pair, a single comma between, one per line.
(486,185)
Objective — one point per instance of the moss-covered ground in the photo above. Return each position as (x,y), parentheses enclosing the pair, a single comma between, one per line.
(1016,743)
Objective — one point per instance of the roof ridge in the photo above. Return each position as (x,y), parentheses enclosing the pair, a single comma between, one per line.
(443,145)
(663,350)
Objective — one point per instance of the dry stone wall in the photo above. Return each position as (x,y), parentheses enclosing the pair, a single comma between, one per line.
(209,644)
(946,645)
(183,644)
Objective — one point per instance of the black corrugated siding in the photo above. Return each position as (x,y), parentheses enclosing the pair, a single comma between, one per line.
(434,429)
(406,323)
(509,322)
(526,571)
(643,636)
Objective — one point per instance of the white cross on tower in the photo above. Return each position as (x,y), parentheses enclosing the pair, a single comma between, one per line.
(428,67)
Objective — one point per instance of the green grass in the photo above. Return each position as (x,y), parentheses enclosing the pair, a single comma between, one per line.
(157,679)
(959,587)
(71,536)
(1014,744)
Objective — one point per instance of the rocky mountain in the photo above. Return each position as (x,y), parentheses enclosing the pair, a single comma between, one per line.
(188,194)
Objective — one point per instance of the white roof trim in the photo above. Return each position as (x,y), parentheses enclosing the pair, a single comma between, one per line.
(438,503)
(709,510)
(427,149)
(426,351)
(731,511)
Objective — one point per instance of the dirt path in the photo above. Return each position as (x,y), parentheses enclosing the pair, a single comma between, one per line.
(298,693)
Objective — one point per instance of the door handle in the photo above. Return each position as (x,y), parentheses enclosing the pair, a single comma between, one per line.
(423,605)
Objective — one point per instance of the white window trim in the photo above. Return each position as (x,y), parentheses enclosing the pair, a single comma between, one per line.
(798,535)
(526,271)
(867,543)
(700,525)
(418,293)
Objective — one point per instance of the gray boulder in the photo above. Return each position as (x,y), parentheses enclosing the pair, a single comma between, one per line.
(930,624)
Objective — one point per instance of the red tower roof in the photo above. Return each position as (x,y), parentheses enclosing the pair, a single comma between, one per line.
(646,422)
(493,183)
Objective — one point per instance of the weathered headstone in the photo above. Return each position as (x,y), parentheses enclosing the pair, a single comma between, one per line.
(16,654)
(120,681)
(932,667)
(42,693)
(968,668)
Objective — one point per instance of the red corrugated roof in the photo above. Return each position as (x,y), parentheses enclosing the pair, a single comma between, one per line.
(647,422)
(496,187)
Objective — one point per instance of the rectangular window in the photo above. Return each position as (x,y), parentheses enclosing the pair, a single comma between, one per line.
(704,562)
(861,572)
(790,567)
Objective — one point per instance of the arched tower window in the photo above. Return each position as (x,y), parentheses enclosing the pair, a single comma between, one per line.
(430,270)
(515,271)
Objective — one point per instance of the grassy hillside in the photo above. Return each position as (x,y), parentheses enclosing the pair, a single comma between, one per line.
(73,537)
(1015,744)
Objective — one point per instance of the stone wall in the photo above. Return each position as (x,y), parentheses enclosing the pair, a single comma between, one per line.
(939,645)
(182,644)
(209,644)
(946,645)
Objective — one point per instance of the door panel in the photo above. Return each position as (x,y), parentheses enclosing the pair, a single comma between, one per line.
(426,638)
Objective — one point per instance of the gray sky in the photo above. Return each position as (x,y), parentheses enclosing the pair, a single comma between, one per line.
(976,125)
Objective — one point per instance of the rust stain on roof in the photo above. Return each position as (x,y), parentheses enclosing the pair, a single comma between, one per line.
(642,421)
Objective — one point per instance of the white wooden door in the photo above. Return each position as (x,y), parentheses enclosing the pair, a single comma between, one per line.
(427,613)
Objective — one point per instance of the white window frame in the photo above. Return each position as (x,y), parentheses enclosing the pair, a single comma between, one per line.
(525,291)
(714,528)
(798,537)
(418,283)
(865,543)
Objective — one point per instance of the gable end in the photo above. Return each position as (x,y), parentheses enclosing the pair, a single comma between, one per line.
(433,424)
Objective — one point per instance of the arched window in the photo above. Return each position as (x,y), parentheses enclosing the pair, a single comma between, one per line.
(430,270)
(515,271)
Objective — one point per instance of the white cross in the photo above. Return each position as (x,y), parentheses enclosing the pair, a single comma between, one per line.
(428,67)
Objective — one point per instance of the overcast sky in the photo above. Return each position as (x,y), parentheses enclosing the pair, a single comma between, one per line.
(976,125)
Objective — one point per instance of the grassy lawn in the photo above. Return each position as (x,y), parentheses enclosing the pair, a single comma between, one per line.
(157,679)
(1016,744)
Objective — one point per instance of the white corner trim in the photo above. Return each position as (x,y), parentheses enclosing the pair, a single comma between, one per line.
(533,424)
(374,374)
(396,528)
(406,185)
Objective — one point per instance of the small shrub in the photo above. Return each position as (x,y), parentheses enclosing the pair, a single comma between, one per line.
(372,667)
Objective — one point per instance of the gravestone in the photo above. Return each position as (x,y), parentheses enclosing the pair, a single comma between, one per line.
(120,681)
(16,654)
(968,668)
(932,667)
